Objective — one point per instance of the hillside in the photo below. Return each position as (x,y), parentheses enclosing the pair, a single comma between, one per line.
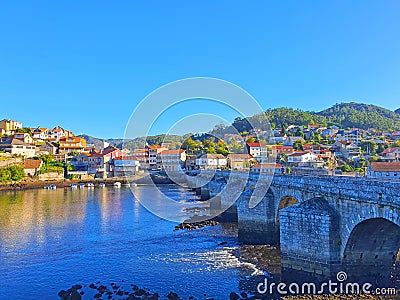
(397,111)
(362,116)
(344,115)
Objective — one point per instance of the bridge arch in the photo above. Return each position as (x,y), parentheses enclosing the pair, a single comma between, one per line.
(372,249)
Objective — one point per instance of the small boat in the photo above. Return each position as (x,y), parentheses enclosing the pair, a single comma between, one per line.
(46,187)
(52,187)
(117,184)
(102,184)
(73,186)
(133,184)
(90,185)
(126,184)
(81,185)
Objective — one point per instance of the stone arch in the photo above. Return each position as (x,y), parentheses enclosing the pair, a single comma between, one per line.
(372,249)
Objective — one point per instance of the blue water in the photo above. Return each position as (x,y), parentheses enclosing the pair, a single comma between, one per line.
(52,239)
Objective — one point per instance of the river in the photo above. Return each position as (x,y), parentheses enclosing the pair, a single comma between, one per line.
(52,239)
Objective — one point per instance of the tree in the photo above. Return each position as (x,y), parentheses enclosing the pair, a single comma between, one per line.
(17,173)
(46,158)
(251,140)
(12,173)
(369,147)
(346,168)
(298,145)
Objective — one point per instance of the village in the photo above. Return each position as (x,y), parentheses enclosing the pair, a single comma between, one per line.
(57,153)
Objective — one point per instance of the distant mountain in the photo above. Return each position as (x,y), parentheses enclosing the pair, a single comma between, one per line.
(397,111)
(98,143)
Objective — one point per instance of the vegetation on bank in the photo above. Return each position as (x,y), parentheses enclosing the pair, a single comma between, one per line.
(11,174)
(51,165)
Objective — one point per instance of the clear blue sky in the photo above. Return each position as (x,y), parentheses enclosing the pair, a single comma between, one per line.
(86,64)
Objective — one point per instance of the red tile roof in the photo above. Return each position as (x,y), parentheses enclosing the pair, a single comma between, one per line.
(256,145)
(167,152)
(386,166)
(391,150)
(32,163)
(299,153)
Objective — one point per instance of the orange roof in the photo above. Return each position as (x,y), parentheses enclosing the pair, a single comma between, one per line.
(256,144)
(32,164)
(167,152)
(299,153)
(155,146)
(386,166)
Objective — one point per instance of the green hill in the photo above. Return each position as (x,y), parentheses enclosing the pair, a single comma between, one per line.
(362,116)
(344,115)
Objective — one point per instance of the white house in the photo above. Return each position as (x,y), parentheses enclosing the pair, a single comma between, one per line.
(211,161)
(24,137)
(125,166)
(303,159)
(17,147)
(39,133)
(269,168)
(384,170)
(391,154)
(258,151)
(172,160)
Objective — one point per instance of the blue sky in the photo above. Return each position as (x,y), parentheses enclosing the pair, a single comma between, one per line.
(86,64)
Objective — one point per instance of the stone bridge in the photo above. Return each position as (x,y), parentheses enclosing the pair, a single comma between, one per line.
(323,223)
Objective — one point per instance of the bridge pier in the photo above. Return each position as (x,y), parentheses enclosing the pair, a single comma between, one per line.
(257,225)
(310,240)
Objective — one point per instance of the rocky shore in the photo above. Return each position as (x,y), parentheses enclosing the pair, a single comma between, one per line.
(124,291)
(195,225)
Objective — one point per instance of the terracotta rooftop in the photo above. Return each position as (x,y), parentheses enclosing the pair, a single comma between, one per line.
(386,166)
(256,144)
(32,164)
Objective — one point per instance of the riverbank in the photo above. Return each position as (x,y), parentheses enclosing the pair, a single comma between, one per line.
(30,184)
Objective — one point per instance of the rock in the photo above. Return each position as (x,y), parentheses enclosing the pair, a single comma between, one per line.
(243,295)
(173,296)
(82,293)
(92,286)
(140,292)
(222,243)
(74,295)
(135,287)
(76,287)
(119,293)
(234,296)
(62,294)
(98,295)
